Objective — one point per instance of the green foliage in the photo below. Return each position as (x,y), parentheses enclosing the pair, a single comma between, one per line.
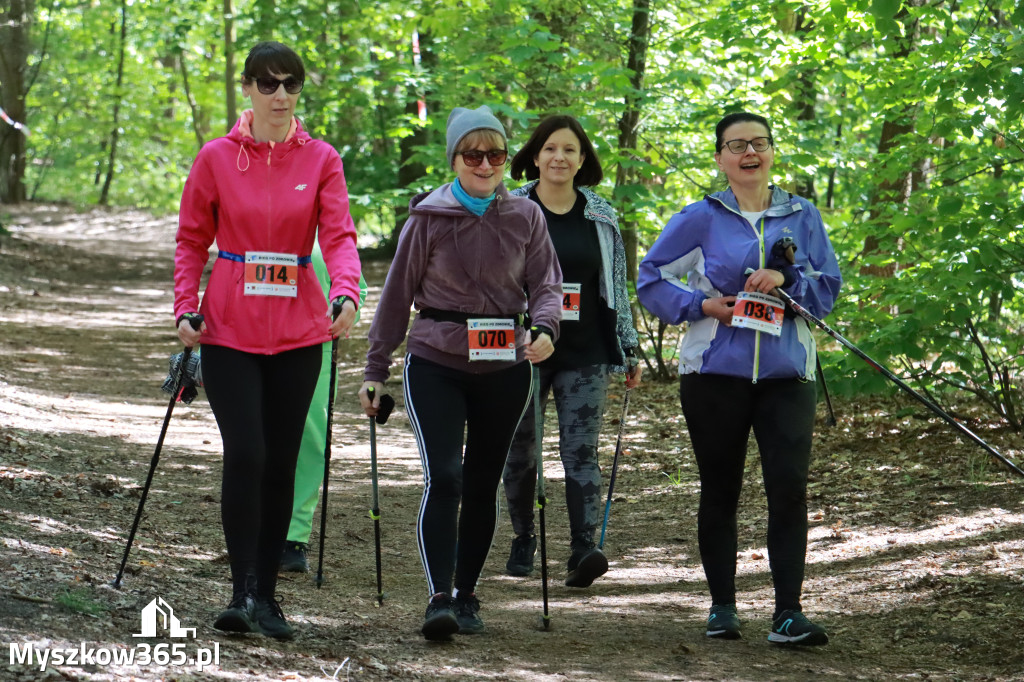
(927,222)
(80,600)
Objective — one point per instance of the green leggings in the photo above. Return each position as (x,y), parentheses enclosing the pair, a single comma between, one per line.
(309,470)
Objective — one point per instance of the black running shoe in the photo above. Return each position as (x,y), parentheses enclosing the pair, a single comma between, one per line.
(586,564)
(270,619)
(294,558)
(723,622)
(467,612)
(440,622)
(792,627)
(520,559)
(239,616)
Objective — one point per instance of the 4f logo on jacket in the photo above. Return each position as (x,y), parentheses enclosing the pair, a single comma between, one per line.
(300,187)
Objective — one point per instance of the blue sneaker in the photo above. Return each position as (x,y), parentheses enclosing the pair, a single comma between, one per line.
(723,622)
(792,627)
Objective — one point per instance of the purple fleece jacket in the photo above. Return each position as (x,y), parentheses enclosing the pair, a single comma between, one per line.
(450,259)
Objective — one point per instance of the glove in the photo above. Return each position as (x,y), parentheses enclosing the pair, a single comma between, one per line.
(191,379)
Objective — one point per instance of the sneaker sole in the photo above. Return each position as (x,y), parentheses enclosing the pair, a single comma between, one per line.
(518,571)
(724,634)
(440,628)
(281,635)
(475,629)
(806,639)
(592,567)
(234,622)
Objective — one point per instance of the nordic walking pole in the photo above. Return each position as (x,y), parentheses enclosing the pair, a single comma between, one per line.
(195,322)
(387,403)
(542,500)
(786,248)
(335,311)
(831,419)
(802,312)
(615,465)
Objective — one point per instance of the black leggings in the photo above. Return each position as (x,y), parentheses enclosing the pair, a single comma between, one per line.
(449,407)
(260,402)
(720,412)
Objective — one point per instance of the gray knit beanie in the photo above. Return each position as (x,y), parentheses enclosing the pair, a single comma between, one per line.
(462,122)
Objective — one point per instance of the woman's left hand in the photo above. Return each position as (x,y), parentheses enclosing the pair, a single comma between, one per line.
(633,376)
(341,326)
(764,280)
(539,349)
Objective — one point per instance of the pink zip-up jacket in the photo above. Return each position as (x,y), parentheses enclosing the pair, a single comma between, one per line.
(251,196)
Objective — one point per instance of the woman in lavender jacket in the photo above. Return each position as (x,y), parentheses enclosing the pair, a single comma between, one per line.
(466,258)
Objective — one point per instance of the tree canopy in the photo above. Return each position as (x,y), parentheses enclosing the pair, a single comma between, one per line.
(901,120)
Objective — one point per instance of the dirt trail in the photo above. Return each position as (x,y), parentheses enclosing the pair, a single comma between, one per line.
(915,563)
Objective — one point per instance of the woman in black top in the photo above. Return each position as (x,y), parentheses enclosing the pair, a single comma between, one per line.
(597,338)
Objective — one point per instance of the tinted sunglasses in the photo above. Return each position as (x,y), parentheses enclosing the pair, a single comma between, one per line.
(474,157)
(268,85)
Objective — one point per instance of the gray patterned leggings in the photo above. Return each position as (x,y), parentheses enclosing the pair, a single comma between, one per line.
(580,396)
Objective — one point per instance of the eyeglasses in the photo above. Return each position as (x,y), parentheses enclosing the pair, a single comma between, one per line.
(760,144)
(268,85)
(474,157)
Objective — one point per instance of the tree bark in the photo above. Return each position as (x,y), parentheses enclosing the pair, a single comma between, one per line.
(629,123)
(15,24)
(409,171)
(197,119)
(115,131)
(229,66)
(893,189)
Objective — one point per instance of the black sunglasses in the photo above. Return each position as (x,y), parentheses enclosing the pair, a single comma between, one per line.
(268,85)
(474,157)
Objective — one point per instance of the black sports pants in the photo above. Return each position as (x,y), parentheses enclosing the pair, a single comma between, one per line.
(720,412)
(260,402)
(459,509)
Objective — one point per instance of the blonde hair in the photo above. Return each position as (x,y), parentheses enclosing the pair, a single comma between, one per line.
(474,139)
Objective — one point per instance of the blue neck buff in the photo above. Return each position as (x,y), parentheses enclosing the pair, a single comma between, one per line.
(473,205)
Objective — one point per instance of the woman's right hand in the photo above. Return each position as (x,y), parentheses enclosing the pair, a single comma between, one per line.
(371,407)
(719,308)
(189,336)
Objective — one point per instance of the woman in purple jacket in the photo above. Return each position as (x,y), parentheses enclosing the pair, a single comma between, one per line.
(466,258)
(745,364)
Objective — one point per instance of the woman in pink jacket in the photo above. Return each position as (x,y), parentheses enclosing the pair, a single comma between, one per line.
(261,193)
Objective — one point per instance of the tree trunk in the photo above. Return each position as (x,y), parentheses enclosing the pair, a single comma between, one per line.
(894,188)
(409,172)
(197,119)
(636,63)
(805,99)
(230,88)
(115,130)
(15,23)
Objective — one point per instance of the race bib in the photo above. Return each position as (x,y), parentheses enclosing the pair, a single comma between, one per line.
(570,301)
(491,339)
(760,312)
(271,274)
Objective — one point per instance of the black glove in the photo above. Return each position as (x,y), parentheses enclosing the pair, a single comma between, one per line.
(191,379)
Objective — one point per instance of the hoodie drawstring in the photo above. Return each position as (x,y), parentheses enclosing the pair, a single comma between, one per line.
(238,165)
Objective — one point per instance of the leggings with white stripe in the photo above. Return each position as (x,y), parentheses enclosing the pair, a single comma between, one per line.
(451,409)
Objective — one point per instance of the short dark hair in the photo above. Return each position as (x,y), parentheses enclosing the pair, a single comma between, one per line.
(270,57)
(590,172)
(737,117)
